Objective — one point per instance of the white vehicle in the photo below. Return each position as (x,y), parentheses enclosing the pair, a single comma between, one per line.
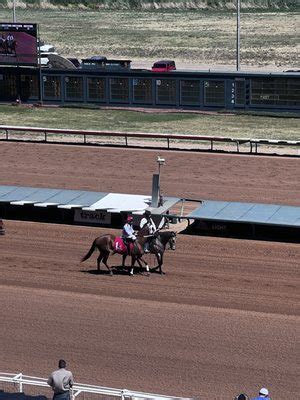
(47,48)
(44,59)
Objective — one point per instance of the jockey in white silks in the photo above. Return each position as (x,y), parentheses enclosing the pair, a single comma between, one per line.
(128,234)
(128,231)
(147,220)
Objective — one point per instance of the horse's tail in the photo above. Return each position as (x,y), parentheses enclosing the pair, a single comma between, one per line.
(90,252)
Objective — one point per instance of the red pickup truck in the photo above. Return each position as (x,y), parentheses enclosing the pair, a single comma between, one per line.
(164,66)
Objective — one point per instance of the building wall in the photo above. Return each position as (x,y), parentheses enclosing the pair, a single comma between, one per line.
(192,90)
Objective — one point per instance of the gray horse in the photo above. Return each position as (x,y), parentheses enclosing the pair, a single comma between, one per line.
(157,246)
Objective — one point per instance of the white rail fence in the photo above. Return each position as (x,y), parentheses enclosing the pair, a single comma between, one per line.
(79,389)
(168,141)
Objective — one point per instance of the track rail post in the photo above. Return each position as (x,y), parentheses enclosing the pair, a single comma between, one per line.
(18,379)
(21,383)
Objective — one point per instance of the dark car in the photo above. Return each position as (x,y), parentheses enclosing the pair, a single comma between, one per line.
(98,58)
(164,66)
(2,229)
(75,62)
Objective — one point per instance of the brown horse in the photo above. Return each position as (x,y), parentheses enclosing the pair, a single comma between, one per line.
(105,245)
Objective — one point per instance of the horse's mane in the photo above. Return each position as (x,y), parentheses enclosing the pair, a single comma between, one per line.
(144,231)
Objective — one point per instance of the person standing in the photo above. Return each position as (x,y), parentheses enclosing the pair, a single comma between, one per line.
(10,38)
(263,395)
(10,41)
(241,396)
(3,43)
(148,221)
(61,381)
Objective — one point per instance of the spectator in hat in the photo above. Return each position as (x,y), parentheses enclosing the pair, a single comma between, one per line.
(148,221)
(61,381)
(263,395)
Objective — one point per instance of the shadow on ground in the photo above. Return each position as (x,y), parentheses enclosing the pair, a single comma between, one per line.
(116,271)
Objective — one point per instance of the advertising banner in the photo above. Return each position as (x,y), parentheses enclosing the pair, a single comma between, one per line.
(18,44)
(92,217)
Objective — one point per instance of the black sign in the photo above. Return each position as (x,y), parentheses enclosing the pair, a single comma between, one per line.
(18,44)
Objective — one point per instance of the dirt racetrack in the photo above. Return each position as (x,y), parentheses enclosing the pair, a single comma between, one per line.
(224,318)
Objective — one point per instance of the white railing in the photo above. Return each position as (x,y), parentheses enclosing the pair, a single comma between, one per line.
(78,388)
(172,141)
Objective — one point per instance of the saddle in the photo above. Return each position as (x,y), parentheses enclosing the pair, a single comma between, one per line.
(120,247)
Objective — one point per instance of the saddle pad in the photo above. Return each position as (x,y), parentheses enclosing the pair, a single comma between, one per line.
(119,246)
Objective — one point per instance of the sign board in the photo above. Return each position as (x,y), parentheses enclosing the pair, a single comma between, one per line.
(18,44)
(97,217)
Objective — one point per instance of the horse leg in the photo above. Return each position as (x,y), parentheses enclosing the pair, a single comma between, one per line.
(140,264)
(105,258)
(160,265)
(157,255)
(123,260)
(139,260)
(133,259)
(99,259)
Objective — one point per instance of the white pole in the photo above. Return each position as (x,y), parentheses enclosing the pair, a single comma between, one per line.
(21,382)
(158,182)
(238,9)
(160,161)
(14,11)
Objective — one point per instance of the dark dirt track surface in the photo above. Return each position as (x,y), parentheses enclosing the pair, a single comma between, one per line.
(224,318)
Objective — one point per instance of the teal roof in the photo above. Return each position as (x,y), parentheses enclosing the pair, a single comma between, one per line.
(266,214)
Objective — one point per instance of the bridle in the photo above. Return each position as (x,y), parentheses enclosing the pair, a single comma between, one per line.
(172,242)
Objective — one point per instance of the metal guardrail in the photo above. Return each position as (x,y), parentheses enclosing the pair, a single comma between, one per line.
(78,388)
(11,131)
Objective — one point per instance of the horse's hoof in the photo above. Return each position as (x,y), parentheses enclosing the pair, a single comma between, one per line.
(111,273)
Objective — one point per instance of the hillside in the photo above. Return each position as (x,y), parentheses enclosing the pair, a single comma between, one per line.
(194,38)
(289,5)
